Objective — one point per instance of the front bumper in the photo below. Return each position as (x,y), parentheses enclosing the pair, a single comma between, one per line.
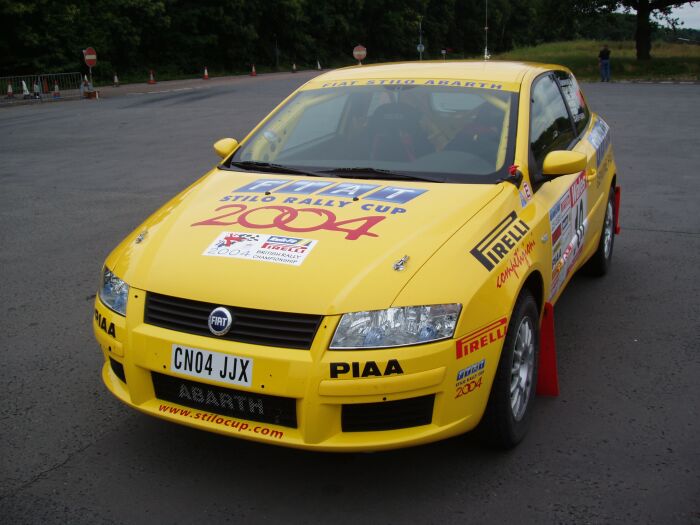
(292,399)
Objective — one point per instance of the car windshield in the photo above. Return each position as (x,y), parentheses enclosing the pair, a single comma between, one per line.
(441,133)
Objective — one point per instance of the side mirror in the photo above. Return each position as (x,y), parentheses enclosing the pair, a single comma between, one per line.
(224,147)
(565,162)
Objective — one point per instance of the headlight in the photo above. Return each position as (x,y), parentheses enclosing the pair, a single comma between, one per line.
(404,326)
(114,292)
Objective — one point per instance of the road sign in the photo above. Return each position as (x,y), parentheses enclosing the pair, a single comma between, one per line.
(90,57)
(359,52)
(420,48)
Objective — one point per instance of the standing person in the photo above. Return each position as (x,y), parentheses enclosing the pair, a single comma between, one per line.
(604,64)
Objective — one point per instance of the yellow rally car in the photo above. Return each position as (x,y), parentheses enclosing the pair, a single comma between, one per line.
(374,266)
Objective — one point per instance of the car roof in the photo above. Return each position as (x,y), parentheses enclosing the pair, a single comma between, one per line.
(477,70)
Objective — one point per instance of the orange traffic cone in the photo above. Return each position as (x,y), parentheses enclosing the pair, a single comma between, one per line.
(294,67)
(206,73)
(252,72)
(151,79)
(10,93)
(56,92)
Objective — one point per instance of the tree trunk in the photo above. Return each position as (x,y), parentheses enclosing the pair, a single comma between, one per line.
(643,33)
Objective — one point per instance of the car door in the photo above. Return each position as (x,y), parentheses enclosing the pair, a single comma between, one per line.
(552,128)
(593,139)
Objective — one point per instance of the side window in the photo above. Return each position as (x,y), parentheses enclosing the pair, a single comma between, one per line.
(550,125)
(317,122)
(574,99)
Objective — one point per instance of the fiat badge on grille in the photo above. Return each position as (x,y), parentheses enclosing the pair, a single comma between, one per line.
(220,321)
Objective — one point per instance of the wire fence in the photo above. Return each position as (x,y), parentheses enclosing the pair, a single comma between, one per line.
(41,88)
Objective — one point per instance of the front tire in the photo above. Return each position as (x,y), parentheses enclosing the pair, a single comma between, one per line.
(509,410)
(599,263)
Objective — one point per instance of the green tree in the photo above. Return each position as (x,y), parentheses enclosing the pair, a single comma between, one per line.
(645,9)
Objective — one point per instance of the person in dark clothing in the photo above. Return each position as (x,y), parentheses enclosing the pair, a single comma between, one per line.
(604,64)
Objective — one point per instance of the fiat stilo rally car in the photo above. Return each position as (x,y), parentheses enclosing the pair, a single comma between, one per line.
(374,266)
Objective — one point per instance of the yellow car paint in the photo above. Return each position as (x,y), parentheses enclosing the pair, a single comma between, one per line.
(352,244)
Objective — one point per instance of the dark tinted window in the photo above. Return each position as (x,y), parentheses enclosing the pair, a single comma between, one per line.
(574,99)
(550,125)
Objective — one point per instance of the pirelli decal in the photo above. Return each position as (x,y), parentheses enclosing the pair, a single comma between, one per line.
(500,241)
(482,337)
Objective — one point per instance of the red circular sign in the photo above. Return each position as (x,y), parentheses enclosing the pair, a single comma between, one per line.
(359,52)
(90,57)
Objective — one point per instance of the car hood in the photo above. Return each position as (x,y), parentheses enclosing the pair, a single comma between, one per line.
(289,243)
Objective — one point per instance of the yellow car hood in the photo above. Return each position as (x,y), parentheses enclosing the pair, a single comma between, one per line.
(290,243)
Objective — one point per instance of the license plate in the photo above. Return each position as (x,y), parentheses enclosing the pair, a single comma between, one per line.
(216,366)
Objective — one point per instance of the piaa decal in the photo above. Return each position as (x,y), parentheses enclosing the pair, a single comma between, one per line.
(368,369)
(102,323)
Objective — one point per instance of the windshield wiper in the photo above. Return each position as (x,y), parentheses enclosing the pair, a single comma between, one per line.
(273,168)
(375,173)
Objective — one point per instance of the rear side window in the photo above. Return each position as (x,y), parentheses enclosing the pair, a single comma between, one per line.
(550,125)
(574,99)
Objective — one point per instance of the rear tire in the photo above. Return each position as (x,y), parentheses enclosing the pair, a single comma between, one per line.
(599,264)
(509,410)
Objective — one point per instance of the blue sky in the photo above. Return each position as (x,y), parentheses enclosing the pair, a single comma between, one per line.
(689,14)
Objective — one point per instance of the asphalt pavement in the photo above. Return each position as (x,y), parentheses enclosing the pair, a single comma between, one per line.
(619,445)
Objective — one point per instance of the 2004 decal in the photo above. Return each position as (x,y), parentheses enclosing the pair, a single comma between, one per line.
(285,217)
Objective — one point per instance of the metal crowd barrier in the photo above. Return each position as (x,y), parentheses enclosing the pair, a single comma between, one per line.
(40,88)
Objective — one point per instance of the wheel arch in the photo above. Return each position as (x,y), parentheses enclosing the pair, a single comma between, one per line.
(535,285)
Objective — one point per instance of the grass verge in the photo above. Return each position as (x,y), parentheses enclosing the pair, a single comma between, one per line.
(669,61)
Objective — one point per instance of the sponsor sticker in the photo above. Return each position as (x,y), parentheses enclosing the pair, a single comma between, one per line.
(525,194)
(105,324)
(520,258)
(454,83)
(500,241)
(470,372)
(568,225)
(344,370)
(600,139)
(261,247)
(469,379)
(481,338)
(273,188)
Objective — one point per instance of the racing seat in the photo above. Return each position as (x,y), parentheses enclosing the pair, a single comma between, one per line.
(482,135)
(396,134)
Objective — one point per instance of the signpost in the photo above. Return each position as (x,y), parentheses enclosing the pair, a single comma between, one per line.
(90,56)
(420,47)
(359,52)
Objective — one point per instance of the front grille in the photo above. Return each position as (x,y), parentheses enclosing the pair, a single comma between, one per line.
(118,369)
(225,401)
(389,415)
(258,327)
